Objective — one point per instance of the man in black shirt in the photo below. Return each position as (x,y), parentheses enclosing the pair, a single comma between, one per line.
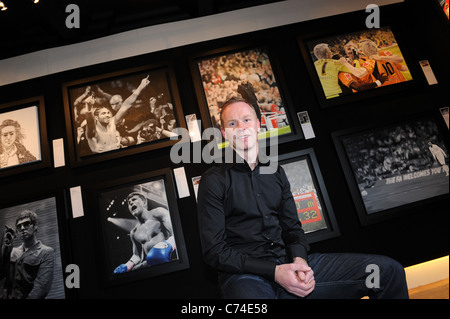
(251,235)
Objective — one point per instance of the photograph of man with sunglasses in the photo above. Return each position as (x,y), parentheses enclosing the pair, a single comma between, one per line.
(28,268)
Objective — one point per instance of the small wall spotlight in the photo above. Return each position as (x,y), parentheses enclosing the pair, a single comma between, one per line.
(2,6)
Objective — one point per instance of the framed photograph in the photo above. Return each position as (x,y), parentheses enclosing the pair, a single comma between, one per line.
(32,225)
(122,113)
(444,113)
(23,139)
(350,66)
(390,168)
(310,194)
(141,229)
(250,73)
(442,6)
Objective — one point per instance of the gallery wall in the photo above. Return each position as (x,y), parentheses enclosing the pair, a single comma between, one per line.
(411,233)
(172,35)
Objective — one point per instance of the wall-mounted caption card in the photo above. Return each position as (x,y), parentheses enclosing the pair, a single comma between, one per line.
(306,125)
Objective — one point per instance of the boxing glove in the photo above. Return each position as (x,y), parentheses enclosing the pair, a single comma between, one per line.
(160,253)
(121,269)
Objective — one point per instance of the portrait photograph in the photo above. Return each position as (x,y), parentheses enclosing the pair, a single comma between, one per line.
(141,232)
(246,73)
(397,165)
(31,245)
(20,137)
(122,113)
(348,64)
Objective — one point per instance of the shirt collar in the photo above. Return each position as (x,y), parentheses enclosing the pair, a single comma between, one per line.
(36,246)
(239,163)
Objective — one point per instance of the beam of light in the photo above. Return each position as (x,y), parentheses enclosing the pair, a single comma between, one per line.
(126,224)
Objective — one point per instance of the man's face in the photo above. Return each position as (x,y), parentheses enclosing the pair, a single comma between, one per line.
(348,49)
(8,135)
(136,204)
(151,128)
(104,116)
(116,102)
(240,126)
(25,228)
(171,125)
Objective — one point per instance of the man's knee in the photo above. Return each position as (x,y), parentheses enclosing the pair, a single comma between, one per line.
(391,266)
(392,278)
(245,287)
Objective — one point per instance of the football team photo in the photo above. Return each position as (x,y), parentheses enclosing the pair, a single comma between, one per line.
(360,61)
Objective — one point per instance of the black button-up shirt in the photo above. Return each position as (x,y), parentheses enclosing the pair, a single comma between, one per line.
(248,219)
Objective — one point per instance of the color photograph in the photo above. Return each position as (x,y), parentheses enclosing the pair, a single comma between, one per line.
(309,207)
(310,194)
(356,62)
(248,74)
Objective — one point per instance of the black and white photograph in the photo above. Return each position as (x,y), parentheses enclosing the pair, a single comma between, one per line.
(23,136)
(19,141)
(30,259)
(137,109)
(396,165)
(140,229)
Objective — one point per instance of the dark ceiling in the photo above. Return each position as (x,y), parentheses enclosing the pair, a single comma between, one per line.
(27,27)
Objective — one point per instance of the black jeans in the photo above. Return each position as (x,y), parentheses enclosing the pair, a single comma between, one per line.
(338,276)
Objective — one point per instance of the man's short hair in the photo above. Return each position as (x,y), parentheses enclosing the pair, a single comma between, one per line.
(27,214)
(232,100)
(321,51)
(138,194)
(369,47)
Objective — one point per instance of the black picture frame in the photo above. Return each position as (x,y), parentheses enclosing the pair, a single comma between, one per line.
(52,225)
(390,168)
(442,7)
(115,223)
(95,91)
(28,119)
(388,42)
(278,118)
(310,194)
(445,115)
